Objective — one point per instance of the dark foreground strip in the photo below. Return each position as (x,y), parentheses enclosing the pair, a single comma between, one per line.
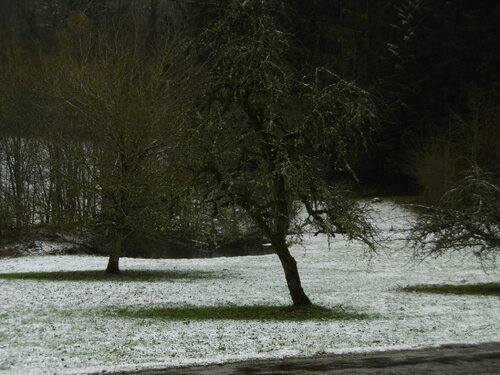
(448,359)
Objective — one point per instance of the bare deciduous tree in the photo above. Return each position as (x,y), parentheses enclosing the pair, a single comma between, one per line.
(116,97)
(466,218)
(262,131)
(19,145)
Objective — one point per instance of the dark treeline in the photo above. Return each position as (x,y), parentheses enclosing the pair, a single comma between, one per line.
(89,105)
(435,66)
(73,72)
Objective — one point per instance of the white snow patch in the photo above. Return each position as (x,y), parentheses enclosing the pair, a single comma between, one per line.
(59,327)
(47,248)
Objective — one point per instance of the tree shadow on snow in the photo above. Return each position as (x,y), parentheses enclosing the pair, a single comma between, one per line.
(97,275)
(276,313)
(486,289)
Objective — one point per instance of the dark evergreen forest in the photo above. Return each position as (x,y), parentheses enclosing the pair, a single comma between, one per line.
(70,70)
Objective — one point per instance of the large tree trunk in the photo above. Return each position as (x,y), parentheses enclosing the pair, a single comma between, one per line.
(113,264)
(278,239)
(289,264)
(114,258)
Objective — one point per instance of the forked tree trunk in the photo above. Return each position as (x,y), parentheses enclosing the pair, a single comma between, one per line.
(289,264)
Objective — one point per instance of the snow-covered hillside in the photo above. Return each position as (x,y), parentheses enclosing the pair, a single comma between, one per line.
(61,326)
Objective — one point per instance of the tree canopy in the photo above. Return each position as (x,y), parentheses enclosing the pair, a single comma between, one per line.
(264,130)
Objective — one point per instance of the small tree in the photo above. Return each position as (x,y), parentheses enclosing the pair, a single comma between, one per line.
(262,131)
(114,97)
(467,217)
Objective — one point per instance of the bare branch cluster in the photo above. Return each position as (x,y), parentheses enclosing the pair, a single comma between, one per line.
(467,217)
(264,130)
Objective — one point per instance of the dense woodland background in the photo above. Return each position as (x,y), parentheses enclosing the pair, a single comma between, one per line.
(72,72)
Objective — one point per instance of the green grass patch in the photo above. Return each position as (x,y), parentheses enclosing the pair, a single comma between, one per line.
(488,289)
(125,275)
(277,313)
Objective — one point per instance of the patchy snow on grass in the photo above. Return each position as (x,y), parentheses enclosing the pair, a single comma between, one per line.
(48,244)
(47,248)
(63,326)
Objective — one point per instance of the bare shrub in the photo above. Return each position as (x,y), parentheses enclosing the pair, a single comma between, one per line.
(465,218)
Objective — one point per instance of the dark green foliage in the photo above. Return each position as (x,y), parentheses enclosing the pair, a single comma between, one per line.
(276,313)
(125,275)
(419,56)
(435,53)
(489,289)
(443,155)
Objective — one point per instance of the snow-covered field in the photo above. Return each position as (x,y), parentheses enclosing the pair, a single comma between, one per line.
(61,327)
